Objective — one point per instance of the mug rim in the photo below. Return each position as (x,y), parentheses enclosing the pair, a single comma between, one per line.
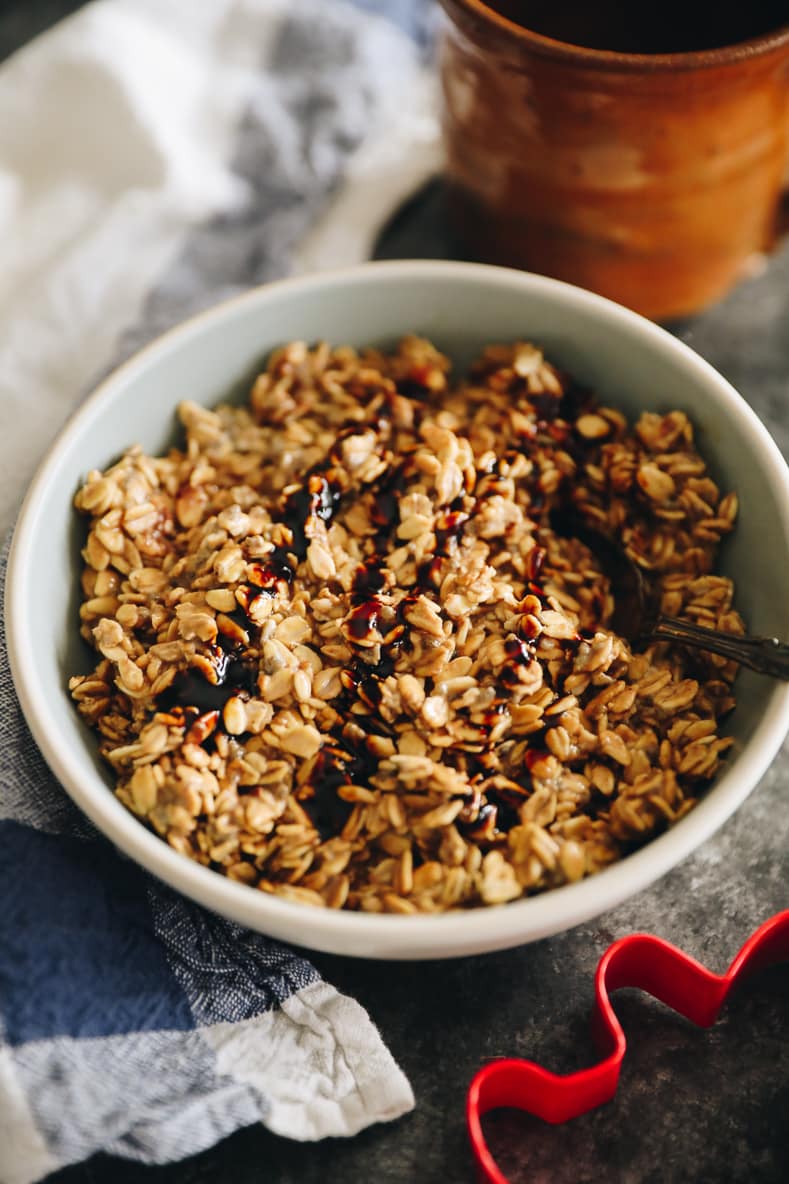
(748,49)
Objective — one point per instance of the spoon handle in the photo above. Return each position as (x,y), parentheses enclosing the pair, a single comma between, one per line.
(765,655)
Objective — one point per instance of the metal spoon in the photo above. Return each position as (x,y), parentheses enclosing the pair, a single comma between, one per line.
(635,619)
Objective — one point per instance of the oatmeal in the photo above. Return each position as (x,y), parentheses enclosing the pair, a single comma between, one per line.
(343,657)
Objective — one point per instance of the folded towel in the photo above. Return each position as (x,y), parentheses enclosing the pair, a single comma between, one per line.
(158,155)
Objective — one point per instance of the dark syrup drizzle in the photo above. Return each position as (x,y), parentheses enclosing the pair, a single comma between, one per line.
(349,757)
(191,688)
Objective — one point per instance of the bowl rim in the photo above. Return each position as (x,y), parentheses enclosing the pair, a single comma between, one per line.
(432,936)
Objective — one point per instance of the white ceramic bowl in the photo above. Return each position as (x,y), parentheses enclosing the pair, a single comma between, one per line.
(631,363)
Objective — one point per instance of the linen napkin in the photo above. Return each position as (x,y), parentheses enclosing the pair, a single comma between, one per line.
(156,156)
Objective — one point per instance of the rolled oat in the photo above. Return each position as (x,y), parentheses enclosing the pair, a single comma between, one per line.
(343,658)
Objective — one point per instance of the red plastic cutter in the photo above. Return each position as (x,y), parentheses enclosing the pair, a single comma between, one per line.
(640,960)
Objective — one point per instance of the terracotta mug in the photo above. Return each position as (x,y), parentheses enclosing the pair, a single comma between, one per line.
(631,149)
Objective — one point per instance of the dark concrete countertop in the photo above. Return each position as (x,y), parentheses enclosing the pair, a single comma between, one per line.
(692,1105)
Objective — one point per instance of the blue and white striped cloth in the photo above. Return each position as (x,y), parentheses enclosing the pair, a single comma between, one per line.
(131,1021)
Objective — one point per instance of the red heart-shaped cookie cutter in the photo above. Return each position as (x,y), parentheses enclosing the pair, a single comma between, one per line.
(640,960)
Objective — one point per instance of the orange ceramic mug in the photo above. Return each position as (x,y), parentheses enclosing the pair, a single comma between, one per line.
(635,149)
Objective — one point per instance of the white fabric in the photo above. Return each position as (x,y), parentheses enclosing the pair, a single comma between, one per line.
(25,1154)
(118,130)
(314,1062)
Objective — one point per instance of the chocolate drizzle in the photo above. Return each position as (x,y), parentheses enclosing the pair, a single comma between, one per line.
(377,629)
(266,576)
(319,497)
(520,654)
(190,688)
(385,508)
(333,768)
(369,580)
(346,760)
(493,810)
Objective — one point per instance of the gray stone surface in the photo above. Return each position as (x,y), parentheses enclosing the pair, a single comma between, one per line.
(693,1105)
